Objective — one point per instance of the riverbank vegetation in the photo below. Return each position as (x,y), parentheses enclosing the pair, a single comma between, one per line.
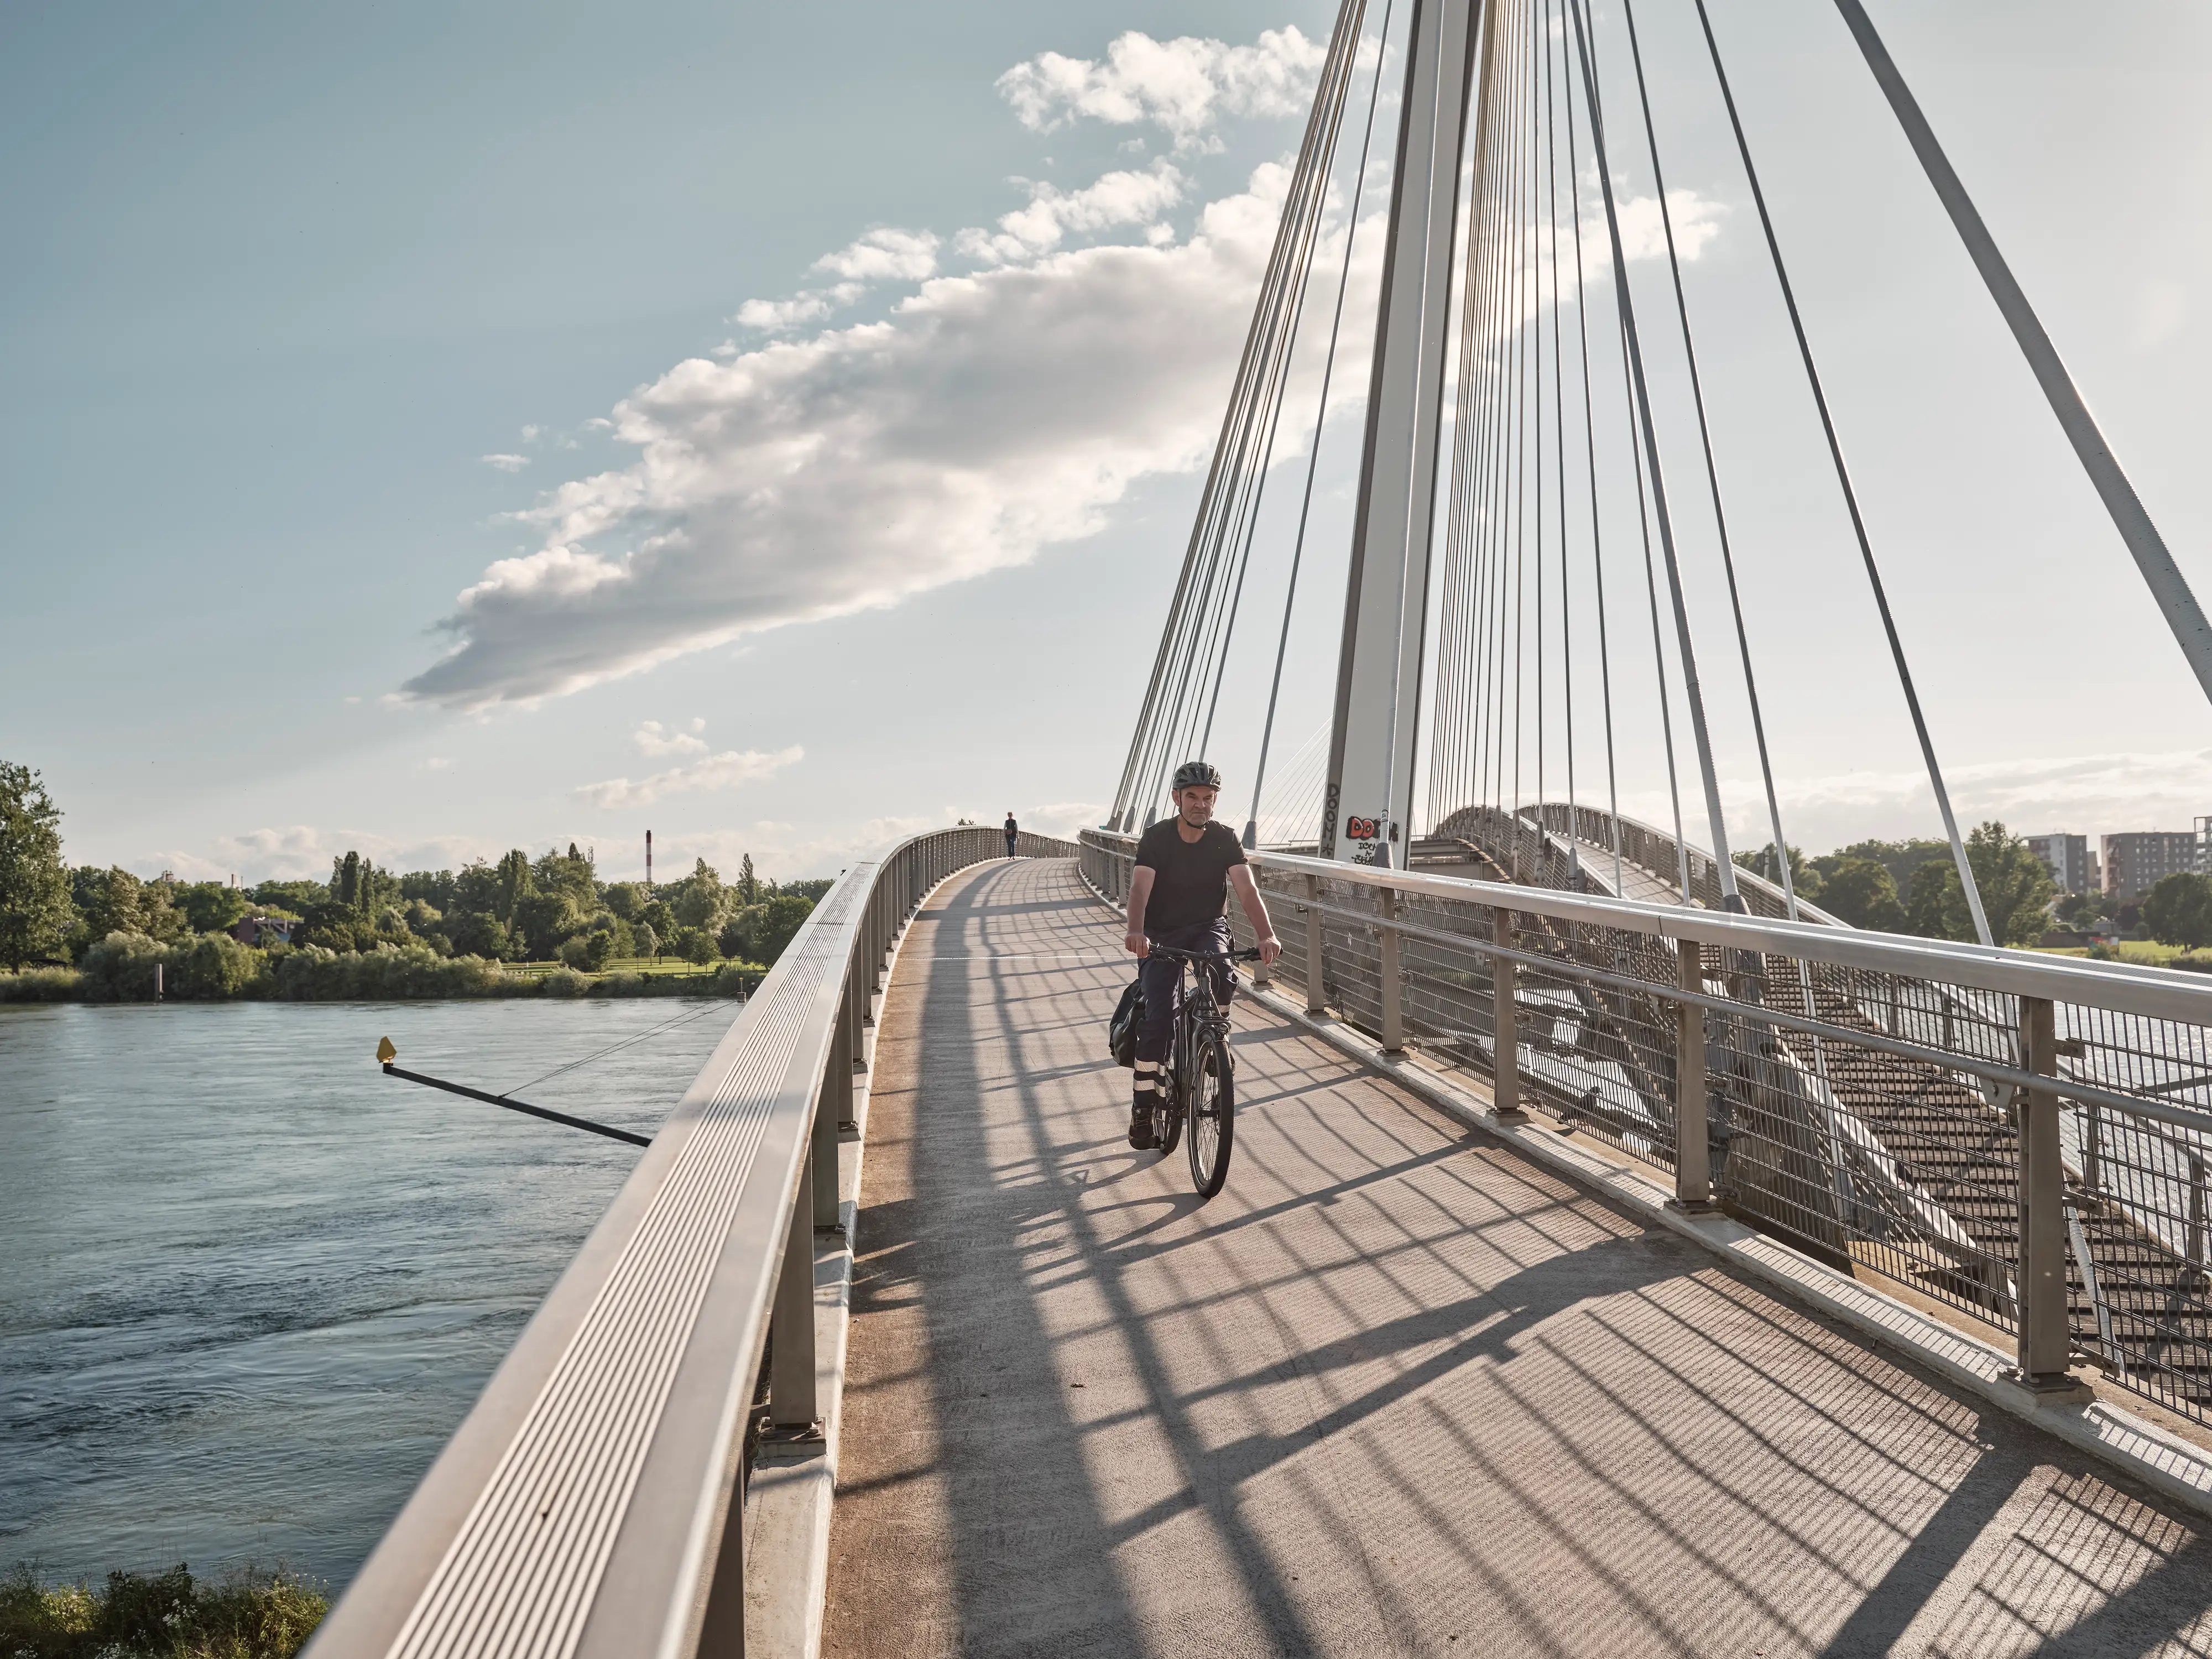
(168,1615)
(523,927)
(1912,886)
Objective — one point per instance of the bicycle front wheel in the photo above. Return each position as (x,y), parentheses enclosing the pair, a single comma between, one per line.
(1212,1108)
(1167,1122)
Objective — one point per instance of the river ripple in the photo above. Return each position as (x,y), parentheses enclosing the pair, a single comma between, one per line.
(248,1285)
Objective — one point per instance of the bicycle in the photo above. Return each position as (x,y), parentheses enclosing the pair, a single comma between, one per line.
(1200,1054)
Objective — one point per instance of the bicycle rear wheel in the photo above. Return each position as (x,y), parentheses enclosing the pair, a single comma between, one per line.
(1212,1108)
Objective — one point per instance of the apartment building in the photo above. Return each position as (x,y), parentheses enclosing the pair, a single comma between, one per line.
(2067,858)
(2136,861)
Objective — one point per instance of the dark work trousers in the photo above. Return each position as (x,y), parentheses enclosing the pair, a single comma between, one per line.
(1163,980)
(1010,846)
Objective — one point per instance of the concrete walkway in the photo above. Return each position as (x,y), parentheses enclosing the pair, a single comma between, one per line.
(1395,1391)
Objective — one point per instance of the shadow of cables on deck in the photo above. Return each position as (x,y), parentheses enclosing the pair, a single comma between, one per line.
(1584,1436)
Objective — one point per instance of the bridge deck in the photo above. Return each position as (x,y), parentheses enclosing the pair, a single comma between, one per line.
(1395,1391)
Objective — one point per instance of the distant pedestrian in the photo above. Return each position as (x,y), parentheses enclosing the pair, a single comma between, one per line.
(1013,830)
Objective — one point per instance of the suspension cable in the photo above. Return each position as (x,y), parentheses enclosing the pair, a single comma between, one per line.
(1850,499)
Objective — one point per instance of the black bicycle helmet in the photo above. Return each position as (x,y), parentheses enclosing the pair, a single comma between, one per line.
(1197,774)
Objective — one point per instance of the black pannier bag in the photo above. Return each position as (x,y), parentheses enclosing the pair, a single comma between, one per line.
(1121,1033)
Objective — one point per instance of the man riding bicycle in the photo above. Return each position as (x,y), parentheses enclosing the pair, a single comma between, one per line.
(1178,899)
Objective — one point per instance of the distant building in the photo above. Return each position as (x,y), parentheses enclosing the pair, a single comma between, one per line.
(263,931)
(2137,861)
(2067,857)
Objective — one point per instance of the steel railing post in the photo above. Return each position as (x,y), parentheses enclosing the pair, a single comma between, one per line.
(1505,1036)
(835,1112)
(2045,1341)
(793,1407)
(1393,1008)
(1693,1177)
(1316,999)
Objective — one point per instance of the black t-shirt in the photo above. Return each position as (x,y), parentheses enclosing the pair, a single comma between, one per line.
(1190,879)
(1011,827)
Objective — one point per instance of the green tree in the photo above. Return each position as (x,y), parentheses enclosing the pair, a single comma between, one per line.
(36,915)
(572,874)
(545,920)
(1934,907)
(762,930)
(212,907)
(748,887)
(2178,910)
(480,933)
(515,885)
(625,899)
(1802,876)
(1863,892)
(110,901)
(646,940)
(215,965)
(292,896)
(432,887)
(699,900)
(694,945)
(1899,858)
(2015,886)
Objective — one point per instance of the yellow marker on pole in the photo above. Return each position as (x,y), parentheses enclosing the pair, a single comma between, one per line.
(386,1054)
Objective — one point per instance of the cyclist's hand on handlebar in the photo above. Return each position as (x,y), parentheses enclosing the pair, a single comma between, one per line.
(1137,946)
(1270,948)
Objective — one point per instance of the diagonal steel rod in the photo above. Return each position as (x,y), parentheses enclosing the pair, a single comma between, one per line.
(549,1116)
(2168,586)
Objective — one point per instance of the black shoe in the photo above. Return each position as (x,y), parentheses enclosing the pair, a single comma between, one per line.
(1140,1129)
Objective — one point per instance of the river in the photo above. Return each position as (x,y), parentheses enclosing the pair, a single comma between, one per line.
(249,1284)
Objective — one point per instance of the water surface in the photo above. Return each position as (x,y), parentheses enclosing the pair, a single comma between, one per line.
(249,1284)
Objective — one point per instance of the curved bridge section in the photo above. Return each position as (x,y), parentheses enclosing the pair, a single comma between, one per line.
(584,1507)
(1400,1389)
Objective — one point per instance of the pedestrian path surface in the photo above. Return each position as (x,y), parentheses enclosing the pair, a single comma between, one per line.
(1396,1391)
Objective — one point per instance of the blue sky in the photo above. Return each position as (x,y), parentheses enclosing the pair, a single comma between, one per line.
(303,307)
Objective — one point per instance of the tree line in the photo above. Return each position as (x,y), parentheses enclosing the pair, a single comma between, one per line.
(552,907)
(1912,886)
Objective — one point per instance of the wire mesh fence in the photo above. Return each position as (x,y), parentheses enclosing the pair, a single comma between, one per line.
(1863,1096)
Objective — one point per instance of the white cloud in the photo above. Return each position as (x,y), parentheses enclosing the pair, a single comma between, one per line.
(531,434)
(781,316)
(438,763)
(723,771)
(655,739)
(1117,198)
(885,256)
(879,256)
(1183,86)
(505,463)
(1644,233)
(989,415)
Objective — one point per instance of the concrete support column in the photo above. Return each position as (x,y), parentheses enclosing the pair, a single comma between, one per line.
(1505,1070)
(1694,1179)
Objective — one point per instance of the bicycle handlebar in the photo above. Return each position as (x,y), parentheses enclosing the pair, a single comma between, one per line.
(1252,955)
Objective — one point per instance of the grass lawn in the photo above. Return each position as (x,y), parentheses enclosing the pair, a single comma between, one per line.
(2144,952)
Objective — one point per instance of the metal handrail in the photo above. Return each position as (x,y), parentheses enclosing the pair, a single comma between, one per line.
(1909,1169)
(2123,988)
(587,1504)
